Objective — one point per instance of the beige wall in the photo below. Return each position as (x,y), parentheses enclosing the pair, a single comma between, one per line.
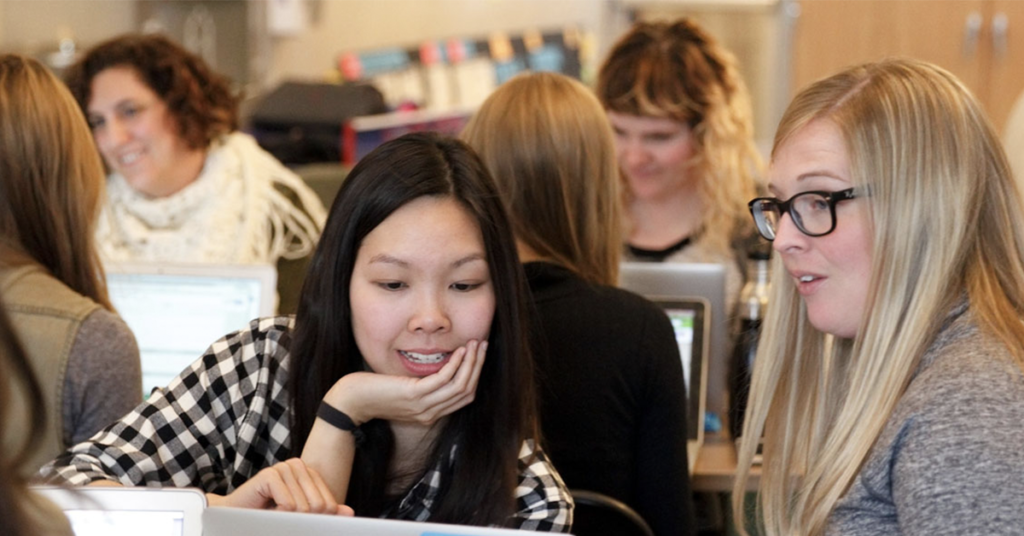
(34,26)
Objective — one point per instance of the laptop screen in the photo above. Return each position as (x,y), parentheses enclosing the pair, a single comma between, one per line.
(688,322)
(701,282)
(177,312)
(682,324)
(125,523)
(115,511)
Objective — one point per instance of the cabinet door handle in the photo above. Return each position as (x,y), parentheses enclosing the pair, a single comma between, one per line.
(972,31)
(1000,28)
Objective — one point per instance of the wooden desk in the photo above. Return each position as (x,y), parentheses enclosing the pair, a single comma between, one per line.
(716,466)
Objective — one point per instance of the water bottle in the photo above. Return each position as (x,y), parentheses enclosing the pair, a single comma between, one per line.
(753,303)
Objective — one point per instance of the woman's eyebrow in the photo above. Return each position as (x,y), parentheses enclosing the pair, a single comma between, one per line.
(384,258)
(468,259)
(388,259)
(819,173)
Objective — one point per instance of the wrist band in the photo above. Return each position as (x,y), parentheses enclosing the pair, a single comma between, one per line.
(339,420)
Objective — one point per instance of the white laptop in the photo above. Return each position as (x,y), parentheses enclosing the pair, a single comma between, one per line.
(110,511)
(692,281)
(176,310)
(243,522)
(688,317)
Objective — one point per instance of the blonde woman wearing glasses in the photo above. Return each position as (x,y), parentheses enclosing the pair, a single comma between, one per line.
(888,383)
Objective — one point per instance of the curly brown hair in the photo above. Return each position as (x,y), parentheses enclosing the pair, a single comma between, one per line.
(200,100)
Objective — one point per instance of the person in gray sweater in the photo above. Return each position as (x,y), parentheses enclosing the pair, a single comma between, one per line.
(889,382)
(83,355)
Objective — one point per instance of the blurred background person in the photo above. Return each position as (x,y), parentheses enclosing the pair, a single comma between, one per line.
(684,135)
(184,184)
(51,187)
(610,377)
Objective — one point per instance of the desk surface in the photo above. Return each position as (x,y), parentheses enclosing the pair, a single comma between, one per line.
(716,466)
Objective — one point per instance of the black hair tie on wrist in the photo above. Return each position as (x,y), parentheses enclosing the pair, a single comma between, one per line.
(339,420)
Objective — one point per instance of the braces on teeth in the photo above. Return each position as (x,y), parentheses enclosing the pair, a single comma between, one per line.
(424,358)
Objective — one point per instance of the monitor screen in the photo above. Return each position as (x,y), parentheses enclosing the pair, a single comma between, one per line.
(688,319)
(175,318)
(126,522)
(690,281)
(124,511)
(682,324)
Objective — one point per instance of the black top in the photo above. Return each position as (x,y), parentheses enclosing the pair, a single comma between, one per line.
(613,408)
(657,255)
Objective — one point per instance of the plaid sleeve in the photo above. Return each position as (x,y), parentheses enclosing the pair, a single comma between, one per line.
(191,432)
(543,502)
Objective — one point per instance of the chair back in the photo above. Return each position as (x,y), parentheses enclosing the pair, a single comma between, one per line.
(597,514)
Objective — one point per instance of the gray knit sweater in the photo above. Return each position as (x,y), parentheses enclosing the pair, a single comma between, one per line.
(951,458)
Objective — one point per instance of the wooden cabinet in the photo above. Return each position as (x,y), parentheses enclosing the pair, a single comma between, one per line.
(981,41)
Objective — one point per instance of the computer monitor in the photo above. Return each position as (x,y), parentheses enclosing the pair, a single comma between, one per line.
(176,311)
(689,323)
(117,511)
(691,280)
(225,521)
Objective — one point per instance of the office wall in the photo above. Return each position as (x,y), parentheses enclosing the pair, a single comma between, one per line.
(35,26)
(336,26)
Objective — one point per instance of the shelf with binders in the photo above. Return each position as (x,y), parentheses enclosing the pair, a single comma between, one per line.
(439,84)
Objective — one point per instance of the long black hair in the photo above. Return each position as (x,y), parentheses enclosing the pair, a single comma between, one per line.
(487,433)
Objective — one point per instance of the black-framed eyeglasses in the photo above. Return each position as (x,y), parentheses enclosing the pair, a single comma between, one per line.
(814,212)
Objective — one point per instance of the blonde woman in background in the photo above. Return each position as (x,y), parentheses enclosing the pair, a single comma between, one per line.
(684,136)
(51,186)
(609,373)
(888,382)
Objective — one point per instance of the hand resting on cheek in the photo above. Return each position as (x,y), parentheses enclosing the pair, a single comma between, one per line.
(365,396)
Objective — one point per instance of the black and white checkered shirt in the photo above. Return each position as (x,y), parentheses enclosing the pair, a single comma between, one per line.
(226,417)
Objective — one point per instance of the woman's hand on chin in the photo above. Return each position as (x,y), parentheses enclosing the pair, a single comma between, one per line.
(290,486)
(364,396)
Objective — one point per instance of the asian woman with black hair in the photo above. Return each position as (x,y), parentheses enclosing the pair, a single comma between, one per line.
(402,387)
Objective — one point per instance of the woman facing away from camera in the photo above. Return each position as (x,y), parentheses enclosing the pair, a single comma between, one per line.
(402,388)
(888,382)
(609,373)
(684,136)
(184,184)
(51,187)
(22,512)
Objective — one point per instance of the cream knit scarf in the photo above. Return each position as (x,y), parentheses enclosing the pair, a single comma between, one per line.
(234,213)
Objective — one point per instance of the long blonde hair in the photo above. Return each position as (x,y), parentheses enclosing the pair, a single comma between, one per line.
(946,223)
(678,71)
(549,145)
(51,178)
